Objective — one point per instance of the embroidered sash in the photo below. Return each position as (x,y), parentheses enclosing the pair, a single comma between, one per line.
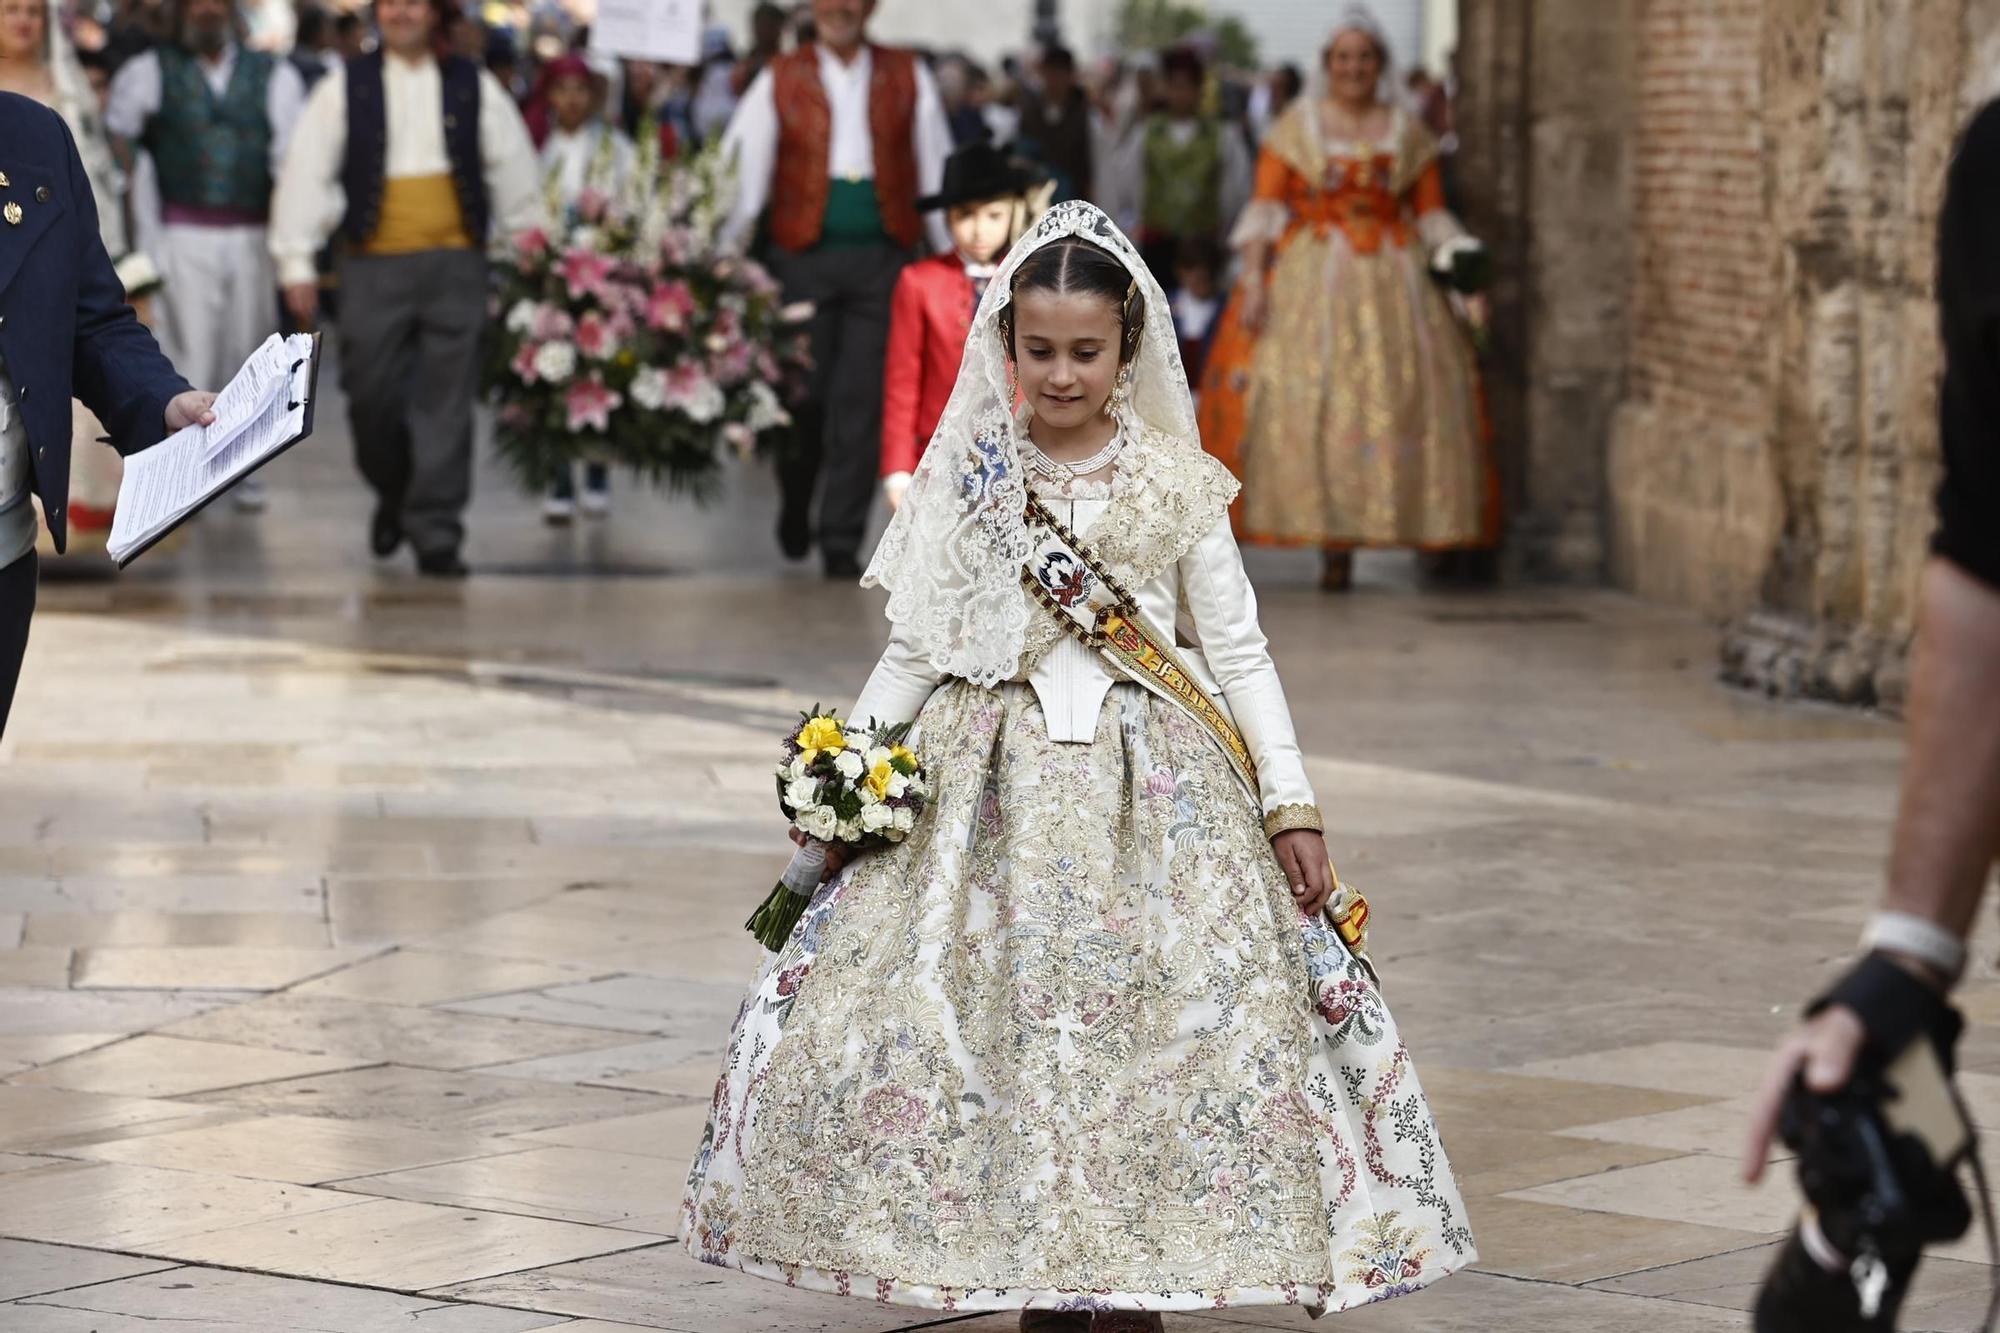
(1089,603)
(1063,574)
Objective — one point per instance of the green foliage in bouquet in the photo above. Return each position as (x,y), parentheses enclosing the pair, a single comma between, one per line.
(628,335)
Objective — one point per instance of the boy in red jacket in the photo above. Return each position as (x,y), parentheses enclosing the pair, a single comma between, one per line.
(987,201)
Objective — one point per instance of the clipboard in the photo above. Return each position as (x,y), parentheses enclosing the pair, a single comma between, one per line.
(188,509)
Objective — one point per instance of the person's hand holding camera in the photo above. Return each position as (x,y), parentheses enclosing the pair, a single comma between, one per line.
(1824,1049)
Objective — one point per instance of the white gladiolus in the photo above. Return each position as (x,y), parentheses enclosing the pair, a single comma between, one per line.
(848,764)
(555,361)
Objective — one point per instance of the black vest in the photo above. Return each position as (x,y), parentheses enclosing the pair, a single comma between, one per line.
(366,164)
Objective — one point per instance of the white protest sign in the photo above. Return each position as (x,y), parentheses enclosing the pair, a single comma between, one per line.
(668,31)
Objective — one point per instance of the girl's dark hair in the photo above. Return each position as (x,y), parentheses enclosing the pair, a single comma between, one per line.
(1074,266)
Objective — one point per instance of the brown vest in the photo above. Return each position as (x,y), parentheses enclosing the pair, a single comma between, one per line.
(800,182)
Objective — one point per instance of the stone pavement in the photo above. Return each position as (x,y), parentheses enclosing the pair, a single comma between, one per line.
(367,945)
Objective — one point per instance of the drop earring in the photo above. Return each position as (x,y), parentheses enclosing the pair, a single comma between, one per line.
(1016,407)
(1121,389)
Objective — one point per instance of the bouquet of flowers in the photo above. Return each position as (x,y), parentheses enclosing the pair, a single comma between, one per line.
(630,336)
(857,786)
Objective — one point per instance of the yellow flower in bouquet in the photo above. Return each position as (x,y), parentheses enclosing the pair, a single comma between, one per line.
(820,733)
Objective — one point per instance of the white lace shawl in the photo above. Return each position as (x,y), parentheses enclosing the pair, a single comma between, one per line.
(952,556)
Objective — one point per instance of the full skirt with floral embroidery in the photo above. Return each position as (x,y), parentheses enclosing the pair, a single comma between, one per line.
(1072,1045)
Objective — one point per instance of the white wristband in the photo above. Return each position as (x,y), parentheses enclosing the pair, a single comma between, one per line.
(1914,937)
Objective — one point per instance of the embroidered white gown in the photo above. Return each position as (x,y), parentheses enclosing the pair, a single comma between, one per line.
(1072,1045)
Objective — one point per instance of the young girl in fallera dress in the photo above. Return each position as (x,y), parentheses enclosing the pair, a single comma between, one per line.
(1085,1045)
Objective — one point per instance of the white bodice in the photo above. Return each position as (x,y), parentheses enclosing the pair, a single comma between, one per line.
(1204,599)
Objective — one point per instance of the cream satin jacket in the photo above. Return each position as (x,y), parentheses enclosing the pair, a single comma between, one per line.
(1206,598)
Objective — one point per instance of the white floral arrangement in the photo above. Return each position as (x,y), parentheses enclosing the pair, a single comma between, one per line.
(857,786)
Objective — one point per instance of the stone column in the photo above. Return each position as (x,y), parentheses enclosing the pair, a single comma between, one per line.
(1544,118)
(1580,265)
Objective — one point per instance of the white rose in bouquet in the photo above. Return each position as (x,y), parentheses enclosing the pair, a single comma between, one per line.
(904,820)
(849,765)
(765,409)
(555,362)
(707,402)
(649,388)
(818,822)
(801,792)
(875,818)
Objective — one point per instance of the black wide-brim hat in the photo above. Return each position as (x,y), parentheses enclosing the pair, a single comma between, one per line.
(979,171)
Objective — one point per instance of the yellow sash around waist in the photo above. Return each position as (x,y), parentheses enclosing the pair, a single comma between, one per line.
(418,213)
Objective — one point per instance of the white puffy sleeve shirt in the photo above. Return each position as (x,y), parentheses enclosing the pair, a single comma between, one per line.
(309,201)
(1229,658)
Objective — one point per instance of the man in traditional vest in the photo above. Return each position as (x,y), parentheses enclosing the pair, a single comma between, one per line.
(418,156)
(216,118)
(1179,175)
(839,138)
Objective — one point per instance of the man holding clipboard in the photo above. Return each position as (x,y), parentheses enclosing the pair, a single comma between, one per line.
(64,329)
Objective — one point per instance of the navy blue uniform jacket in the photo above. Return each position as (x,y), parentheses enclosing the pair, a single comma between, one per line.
(64,326)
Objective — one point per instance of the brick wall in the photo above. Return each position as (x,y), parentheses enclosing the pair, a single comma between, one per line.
(1703,246)
(1691,497)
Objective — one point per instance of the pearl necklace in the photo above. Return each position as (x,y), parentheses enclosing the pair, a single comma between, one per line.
(1056,470)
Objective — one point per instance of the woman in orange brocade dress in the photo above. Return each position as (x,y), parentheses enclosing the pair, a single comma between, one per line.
(1341,388)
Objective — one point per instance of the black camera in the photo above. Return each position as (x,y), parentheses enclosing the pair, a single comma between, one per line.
(1878,1163)
(1878,1166)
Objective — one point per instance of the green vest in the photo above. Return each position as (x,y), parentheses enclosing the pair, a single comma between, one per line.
(213,152)
(1183,181)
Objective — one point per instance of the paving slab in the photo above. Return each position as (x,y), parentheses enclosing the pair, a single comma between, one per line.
(31,1269)
(397,1245)
(160,1066)
(219,1301)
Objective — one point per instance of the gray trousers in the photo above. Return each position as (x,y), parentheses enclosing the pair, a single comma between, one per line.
(409,362)
(839,443)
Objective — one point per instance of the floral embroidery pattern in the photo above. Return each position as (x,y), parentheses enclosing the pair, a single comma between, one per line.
(1072,1046)
(1387,1258)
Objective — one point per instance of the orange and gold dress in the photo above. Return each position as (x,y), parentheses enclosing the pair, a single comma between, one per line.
(1354,417)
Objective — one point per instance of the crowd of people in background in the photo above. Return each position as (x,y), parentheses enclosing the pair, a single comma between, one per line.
(187,112)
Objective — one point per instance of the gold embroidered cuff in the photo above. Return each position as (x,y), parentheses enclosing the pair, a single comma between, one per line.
(1288,817)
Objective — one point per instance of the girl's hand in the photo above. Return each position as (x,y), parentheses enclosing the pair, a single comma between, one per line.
(838,854)
(1302,853)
